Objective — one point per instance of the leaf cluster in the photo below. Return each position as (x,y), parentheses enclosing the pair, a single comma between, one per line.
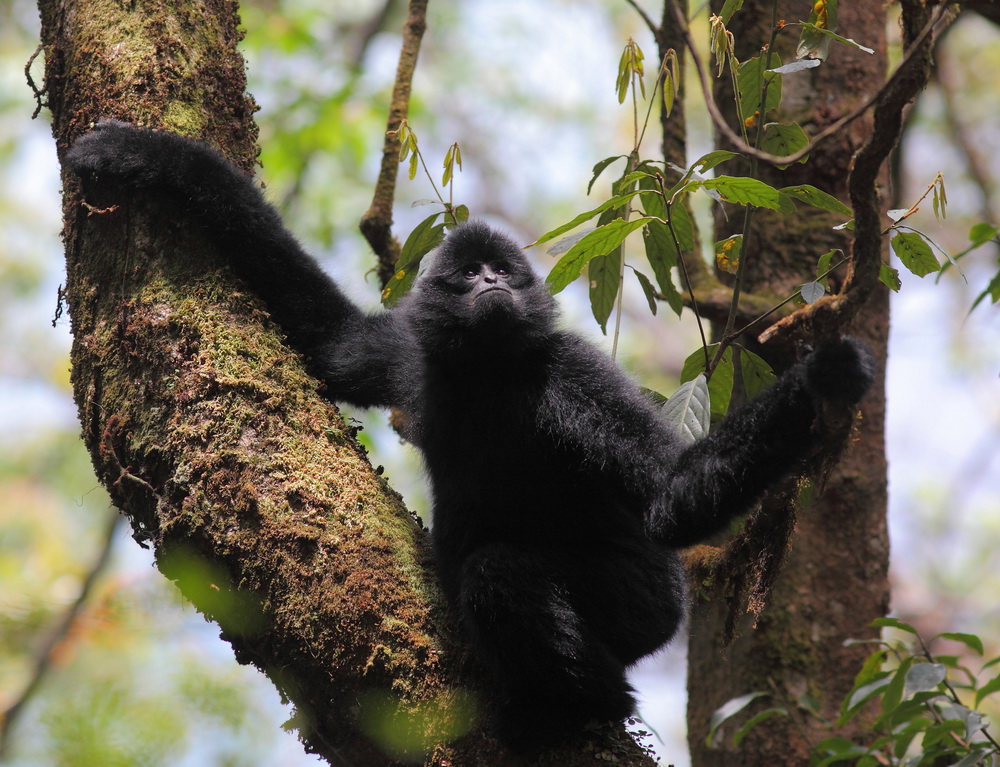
(923,707)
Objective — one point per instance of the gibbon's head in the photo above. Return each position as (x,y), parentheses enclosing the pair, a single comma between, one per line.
(480,283)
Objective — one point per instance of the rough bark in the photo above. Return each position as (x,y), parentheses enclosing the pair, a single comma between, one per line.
(216,445)
(834,578)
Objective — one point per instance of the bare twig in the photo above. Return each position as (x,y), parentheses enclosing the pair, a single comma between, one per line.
(376,223)
(43,658)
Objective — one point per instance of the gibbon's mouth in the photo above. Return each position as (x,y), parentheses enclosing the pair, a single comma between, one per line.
(494,289)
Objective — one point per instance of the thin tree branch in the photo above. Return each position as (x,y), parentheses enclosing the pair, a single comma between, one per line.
(376,223)
(908,80)
(901,72)
(43,658)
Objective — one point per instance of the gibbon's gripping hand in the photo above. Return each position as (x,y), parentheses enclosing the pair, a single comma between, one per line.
(839,371)
(135,157)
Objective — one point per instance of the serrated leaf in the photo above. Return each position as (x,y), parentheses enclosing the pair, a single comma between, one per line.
(729,8)
(749,191)
(816,197)
(889,277)
(687,411)
(784,139)
(720,386)
(750,79)
(599,242)
(708,161)
(812,292)
(914,253)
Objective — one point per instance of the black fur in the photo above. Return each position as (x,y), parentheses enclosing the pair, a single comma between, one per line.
(560,496)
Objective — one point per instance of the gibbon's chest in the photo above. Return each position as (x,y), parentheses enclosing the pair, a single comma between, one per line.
(480,421)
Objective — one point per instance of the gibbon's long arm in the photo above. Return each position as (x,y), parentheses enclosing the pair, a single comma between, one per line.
(724,474)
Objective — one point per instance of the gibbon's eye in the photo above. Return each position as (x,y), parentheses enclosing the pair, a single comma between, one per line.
(470,272)
(502,270)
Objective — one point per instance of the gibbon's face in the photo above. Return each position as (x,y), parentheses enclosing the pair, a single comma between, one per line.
(480,280)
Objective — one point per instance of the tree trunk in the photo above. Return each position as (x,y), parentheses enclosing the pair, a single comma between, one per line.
(834,579)
(216,445)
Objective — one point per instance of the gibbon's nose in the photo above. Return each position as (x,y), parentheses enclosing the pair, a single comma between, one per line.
(489,275)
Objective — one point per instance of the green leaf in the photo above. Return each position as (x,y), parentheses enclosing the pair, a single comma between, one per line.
(647,289)
(893,694)
(981,233)
(727,711)
(817,198)
(727,253)
(861,695)
(784,139)
(889,277)
(601,167)
(750,79)
(425,236)
(679,219)
(992,290)
(838,38)
(652,197)
(893,623)
(823,266)
(749,191)
(969,640)
(688,412)
(604,278)
(662,257)
(599,242)
(757,374)
(728,9)
(756,719)
(708,161)
(813,42)
(617,201)
(720,385)
(987,689)
(914,253)
(923,677)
